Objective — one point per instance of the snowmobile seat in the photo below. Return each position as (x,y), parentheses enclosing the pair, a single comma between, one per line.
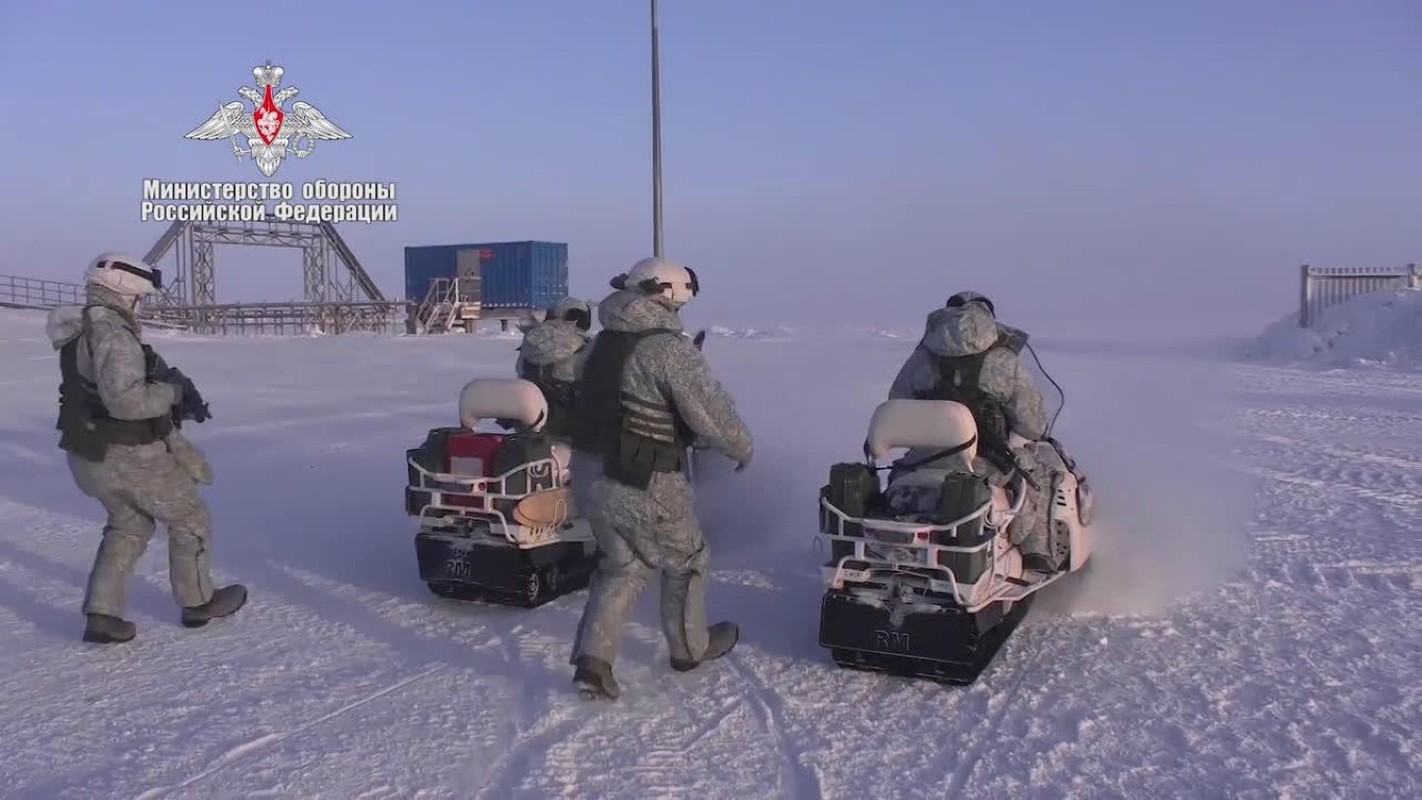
(520,409)
(941,439)
(512,402)
(506,400)
(930,425)
(931,430)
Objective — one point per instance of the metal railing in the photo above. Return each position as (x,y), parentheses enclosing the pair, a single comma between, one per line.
(449,304)
(1321,287)
(20,292)
(284,319)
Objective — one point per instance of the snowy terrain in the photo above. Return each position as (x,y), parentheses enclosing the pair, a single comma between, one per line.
(1377,329)
(1248,628)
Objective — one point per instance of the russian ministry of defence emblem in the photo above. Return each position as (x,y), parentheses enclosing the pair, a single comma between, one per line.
(271,132)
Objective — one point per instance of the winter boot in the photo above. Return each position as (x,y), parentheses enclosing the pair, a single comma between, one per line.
(721,639)
(104,629)
(594,680)
(224,603)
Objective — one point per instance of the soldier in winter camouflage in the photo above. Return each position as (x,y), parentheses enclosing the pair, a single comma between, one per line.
(551,357)
(968,356)
(646,394)
(120,407)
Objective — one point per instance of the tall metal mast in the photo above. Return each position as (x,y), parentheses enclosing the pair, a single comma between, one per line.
(656,139)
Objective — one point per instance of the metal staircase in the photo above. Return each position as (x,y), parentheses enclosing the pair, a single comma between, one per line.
(447,305)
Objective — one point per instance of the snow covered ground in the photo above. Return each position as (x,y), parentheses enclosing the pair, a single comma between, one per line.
(1249,627)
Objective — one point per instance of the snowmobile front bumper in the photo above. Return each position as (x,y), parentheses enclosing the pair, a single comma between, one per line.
(945,645)
(459,567)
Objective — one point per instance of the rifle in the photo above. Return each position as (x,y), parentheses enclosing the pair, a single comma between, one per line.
(191,405)
(689,470)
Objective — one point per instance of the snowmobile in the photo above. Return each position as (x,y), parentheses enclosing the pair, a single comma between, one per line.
(496,515)
(935,595)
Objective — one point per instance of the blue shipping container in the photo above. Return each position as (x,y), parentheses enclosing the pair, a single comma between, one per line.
(422,266)
(513,275)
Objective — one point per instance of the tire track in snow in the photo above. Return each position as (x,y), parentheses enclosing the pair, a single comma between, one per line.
(241,751)
(1343,454)
(549,724)
(963,772)
(1348,577)
(798,776)
(552,726)
(1403,498)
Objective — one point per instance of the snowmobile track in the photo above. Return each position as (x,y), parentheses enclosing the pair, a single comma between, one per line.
(550,729)
(800,780)
(963,771)
(241,751)
(1345,577)
(1402,495)
(1343,453)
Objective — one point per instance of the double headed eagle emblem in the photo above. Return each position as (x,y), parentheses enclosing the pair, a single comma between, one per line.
(270,132)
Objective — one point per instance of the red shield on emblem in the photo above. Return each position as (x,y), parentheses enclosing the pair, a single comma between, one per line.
(268,118)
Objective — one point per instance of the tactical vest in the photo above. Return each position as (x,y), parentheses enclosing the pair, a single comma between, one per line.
(635,437)
(558,393)
(86,428)
(959,380)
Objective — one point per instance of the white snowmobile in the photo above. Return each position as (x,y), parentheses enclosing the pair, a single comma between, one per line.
(496,515)
(935,595)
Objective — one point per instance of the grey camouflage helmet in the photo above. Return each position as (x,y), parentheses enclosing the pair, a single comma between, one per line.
(965,297)
(574,310)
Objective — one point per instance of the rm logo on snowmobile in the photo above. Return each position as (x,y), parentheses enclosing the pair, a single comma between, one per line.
(891,640)
(268,129)
(458,568)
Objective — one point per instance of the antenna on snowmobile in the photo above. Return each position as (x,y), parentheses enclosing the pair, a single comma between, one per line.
(1054,383)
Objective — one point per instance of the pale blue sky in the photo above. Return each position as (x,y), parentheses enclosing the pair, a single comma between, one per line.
(1077,160)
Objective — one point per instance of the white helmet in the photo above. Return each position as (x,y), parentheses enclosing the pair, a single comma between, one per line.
(124,275)
(666,280)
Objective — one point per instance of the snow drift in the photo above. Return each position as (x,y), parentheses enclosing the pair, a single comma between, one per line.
(1378,329)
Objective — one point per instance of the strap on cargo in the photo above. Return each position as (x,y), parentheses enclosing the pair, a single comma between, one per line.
(931,457)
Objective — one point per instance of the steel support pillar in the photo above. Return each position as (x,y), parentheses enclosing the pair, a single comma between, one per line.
(314,263)
(203,274)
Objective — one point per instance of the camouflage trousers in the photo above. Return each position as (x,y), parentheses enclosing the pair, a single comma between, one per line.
(140,486)
(641,533)
(1030,531)
(584,469)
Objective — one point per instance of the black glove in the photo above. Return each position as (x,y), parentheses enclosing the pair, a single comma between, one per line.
(190,403)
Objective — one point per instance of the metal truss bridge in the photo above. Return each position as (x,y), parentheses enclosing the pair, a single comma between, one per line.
(339,295)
